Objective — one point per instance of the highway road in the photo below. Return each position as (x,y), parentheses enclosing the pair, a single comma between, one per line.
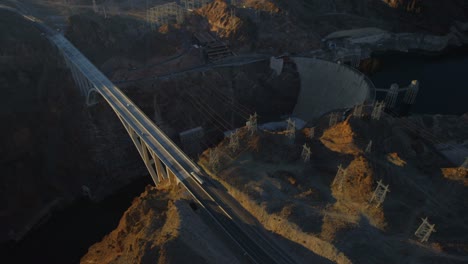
(254,243)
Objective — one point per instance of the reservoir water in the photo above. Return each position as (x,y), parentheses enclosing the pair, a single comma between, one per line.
(443,79)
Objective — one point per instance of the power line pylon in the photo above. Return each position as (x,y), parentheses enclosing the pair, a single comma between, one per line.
(214,158)
(311,133)
(377,110)
(305,153)
(291,129)
(333,119)
(357,112)
(340,177)
(369,147)
(380,193)
(252,123)
(425,230)
(234,141)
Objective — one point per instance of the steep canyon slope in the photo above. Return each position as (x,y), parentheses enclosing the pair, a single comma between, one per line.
(161,227)
(332,216)
(53,144)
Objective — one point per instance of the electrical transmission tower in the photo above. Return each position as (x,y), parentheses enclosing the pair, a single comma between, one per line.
(333,119)
(252,124)
(369,147)
(379,193)
(193,4)
(357,112)
(214,158)
(377,110)
(291,129)
(234,141)
(425,230)
(311,133)
(340,177)
(168,13)
(305,153)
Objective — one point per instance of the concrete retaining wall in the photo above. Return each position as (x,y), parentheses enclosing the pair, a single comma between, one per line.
(326,86)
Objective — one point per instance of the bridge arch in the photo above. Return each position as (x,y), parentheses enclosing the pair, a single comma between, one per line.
(91,96)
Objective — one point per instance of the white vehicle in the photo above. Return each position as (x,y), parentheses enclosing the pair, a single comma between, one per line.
(196,177)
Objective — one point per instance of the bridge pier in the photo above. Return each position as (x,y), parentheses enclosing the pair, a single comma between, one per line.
(148,160)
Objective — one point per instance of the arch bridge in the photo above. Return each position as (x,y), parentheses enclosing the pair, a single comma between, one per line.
(161,156)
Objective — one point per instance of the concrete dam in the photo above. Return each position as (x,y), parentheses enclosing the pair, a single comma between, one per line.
(326,86)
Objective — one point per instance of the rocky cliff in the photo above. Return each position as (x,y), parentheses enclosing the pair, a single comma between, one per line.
(161,227)
(396,15)
(332,215)
(226,23)
(53,144)
(435,16)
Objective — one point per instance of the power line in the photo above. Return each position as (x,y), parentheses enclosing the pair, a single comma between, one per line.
(427,135)
(247,110)
(202,112)
(223,100)
(421,131)
(226,124)
(240,107)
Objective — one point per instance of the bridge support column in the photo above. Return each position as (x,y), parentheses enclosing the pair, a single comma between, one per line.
(148,161)
(75,76)
(160,169)
(152,163)
(79,80)
(88,85)
(171,176)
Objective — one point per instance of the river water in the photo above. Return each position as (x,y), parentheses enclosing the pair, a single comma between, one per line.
(443,79)
(68,234)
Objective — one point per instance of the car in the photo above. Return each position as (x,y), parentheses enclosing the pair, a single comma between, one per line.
(197,177)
